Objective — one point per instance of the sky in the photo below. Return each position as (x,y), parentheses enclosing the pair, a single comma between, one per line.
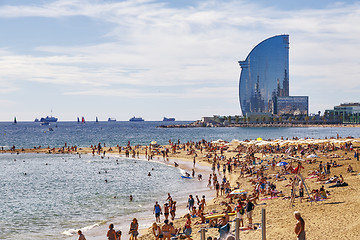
(148,58)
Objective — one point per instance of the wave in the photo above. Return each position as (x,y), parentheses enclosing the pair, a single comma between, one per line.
(72,232)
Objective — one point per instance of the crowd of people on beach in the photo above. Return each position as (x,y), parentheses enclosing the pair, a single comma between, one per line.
(255,169)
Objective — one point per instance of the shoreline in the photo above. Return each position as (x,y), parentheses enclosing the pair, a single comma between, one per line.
(146,218)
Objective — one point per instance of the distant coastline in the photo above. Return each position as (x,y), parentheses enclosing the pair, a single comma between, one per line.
(199,124)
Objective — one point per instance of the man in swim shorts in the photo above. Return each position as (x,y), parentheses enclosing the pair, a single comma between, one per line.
(157,211)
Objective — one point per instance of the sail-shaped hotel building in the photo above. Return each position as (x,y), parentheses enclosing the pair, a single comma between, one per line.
(264,80)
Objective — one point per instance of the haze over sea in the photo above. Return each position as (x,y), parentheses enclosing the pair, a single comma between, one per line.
(61,193)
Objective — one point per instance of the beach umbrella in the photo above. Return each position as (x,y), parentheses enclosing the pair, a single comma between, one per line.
(280,164)
(238,191)
(312,156)
(153,143)
(259,139)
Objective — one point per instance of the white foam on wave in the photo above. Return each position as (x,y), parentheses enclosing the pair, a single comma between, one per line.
(72,232)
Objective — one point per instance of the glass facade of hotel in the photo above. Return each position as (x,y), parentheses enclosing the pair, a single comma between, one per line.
(293,105)
(265,75)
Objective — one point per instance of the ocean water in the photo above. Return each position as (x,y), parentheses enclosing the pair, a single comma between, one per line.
(62,193)
(30,134)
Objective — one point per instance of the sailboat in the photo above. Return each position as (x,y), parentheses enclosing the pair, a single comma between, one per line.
(82,120)
(78,120)
(15,122)
(97,120)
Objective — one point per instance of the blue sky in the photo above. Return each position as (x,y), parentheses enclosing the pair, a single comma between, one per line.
(166,58)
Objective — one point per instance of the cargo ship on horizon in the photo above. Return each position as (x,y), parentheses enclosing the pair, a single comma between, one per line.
(165,119)
(136,119)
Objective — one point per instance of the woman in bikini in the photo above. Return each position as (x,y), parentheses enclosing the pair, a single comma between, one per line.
(134,229)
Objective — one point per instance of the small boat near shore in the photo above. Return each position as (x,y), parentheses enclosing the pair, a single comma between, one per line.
(136,119)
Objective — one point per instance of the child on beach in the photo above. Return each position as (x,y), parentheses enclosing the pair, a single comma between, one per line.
(81,236)
(118,235)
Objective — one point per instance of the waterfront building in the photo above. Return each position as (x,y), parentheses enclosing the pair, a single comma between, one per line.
(345,113)
(264,80)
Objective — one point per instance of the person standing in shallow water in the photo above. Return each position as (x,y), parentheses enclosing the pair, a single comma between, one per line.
(299,226)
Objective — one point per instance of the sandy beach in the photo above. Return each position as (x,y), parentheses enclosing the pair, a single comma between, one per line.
(335,217)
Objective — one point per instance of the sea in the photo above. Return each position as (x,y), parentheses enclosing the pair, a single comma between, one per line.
(51,196)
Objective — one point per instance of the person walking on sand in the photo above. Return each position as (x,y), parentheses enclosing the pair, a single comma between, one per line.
(157,211)
(81,236)
(111,233)
(299,226)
